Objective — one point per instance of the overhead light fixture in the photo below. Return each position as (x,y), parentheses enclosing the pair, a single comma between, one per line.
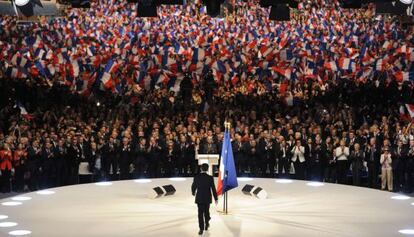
(21,3)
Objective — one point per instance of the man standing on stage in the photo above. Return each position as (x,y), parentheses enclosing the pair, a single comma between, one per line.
(202,188)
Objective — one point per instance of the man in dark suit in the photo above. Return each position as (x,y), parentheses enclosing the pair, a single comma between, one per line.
(202,188)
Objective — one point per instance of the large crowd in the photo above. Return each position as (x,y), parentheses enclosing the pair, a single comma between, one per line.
(107,47)
(321,97)
(349,135)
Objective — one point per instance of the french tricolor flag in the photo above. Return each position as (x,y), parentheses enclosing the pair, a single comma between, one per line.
(331,66)
(285,72)
(404,76)
(410,109)
(23,111)
(198,54)
(381,65)
(110,67)
(346,64)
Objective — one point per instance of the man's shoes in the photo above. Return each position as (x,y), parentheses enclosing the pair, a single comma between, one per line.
(207,225)
(200,232)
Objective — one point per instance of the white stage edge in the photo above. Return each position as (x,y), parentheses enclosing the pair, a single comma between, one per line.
(293,209)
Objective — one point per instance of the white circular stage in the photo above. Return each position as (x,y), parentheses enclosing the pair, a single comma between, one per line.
(293,208)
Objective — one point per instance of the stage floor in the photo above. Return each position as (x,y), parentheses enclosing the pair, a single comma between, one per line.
(293,208)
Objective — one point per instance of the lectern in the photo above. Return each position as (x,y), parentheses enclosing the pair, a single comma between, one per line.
(210,159)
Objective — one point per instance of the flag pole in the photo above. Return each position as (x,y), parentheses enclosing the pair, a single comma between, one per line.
(225,195)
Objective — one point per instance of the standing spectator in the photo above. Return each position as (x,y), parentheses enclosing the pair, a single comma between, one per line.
(47,166)
(33,164)
(410,167)
(386,170)
(298,159)
(74,156)
(125,159)
(170,159)
(6,158)
(372,156)
(239,150)
(284,159)
(186,89)
(19,164)
(154,155)
(399,157)
(268,154)
(330,172)
(95,162)
(61,161)
(341,154)
(252,157)
(357,164)
(141,159)
(110,156)
(210,147)
(309,152)
(317,162)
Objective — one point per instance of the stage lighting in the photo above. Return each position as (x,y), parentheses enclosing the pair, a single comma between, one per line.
(103,183)
(45,192)
(177,179)
(284,181)
(162,191)
(406,232)
(254,191)
(81,4)
(400,197)
(406,1)
(21,3)
(315,184)
(21,198)
(7,224)
(143,181)
(11,204)
(279,12)
(20,232)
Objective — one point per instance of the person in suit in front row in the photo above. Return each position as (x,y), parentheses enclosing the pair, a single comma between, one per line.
(202,188)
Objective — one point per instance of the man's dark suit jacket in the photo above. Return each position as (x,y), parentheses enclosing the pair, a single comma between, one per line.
(203,187)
